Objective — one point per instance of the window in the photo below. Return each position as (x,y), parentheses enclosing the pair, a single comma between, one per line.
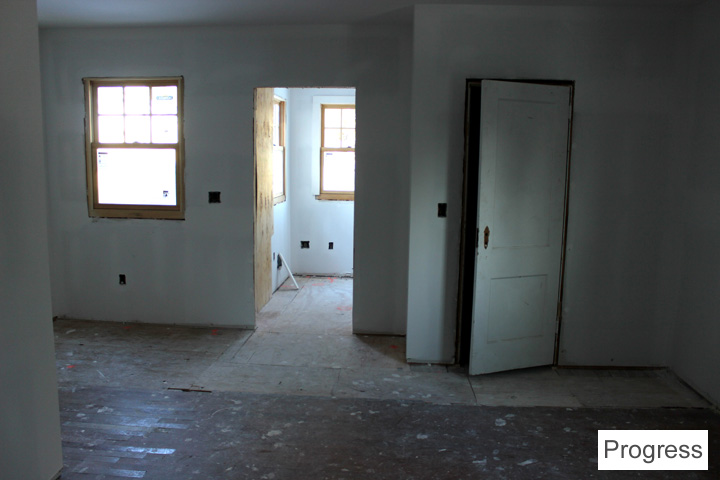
(278,151)
(337,153)
(134,147)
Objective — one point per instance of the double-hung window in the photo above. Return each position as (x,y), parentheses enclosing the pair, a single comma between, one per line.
(337,153)
(134,147)
(278,151)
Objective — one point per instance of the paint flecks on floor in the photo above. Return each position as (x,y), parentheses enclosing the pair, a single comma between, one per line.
(303,346)
(452,442)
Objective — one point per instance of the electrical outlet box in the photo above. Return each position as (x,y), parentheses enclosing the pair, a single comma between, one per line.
(442,210)
(304,243)
(213,197)
(122,279)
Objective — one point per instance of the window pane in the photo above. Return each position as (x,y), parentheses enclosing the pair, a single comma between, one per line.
(110,100)
(136,176)
(348,118)
(111,129)
(333,138)
(137,129)
(164,100)
(333,118)
(276,135)
(137,100)
(348,138)
(165,129)
(278,171)
(276,124)
(339,172)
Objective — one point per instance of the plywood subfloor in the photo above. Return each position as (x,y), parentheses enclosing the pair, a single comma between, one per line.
(304,345)
(302,398)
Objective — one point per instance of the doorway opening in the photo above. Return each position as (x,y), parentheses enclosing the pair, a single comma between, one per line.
(526,128)
(304,192)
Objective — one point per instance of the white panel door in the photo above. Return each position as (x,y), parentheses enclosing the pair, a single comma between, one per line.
(521,201)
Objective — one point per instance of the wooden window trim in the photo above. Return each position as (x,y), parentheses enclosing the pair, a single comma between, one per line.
(161,212)
(329,194)
(281,134)
(348,197)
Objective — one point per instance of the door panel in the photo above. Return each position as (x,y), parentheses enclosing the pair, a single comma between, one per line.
(523,162)
(519,301)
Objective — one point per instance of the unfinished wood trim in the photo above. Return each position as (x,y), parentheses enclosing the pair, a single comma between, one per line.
(263,225)
(323,150)
(141,214)
(90,135)
(336,196)
(96,209)
(133,81)
(281,103)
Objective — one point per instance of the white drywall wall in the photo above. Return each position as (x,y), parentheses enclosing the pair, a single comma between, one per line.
(625,268)
(695,218)
(317,221)
(200,271)
(29,411)
(623,61)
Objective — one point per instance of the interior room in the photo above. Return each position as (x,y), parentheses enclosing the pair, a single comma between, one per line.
(192,294)
(313,235)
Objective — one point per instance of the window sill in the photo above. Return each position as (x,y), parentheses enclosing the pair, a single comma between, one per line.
(143,214)
(279,199)
(347,197)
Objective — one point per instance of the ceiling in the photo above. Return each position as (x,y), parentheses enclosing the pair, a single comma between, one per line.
(70,13)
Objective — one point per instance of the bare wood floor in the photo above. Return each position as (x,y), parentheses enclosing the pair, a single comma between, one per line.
(301,397)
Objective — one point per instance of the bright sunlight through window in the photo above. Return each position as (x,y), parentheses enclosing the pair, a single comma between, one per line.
(337,156)
(135,147)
